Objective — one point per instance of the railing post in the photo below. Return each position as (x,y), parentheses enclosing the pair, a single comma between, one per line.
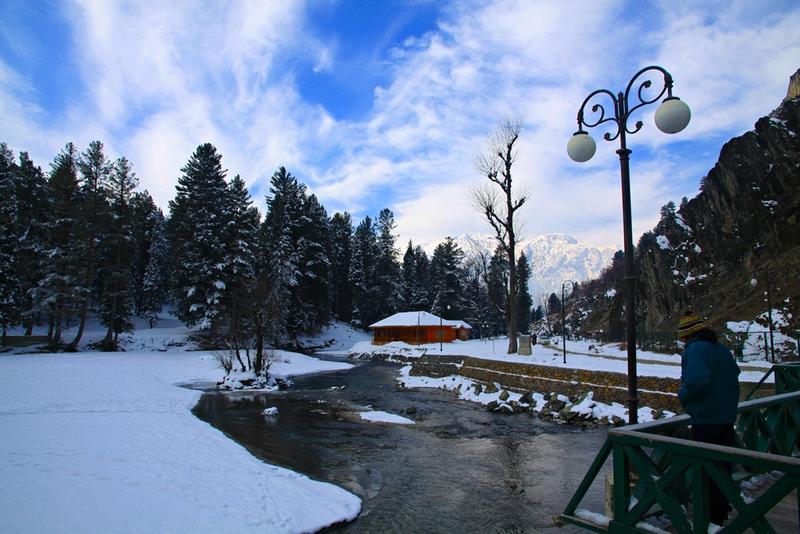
(622,487)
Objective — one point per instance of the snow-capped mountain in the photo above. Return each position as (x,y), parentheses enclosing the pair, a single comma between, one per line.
(553,258)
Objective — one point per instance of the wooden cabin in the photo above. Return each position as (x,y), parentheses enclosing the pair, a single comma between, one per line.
(418,327)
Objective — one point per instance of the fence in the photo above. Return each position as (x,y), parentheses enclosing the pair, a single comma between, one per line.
(670,472)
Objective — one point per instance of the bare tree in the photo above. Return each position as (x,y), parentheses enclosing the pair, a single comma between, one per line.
(499,203)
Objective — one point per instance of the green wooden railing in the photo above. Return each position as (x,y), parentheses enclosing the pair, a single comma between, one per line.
(669,473)
(787,378)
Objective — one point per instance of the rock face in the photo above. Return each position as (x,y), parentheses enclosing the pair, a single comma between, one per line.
(794,86)
(702,254)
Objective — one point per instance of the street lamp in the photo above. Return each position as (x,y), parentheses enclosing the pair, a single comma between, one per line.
(563,318)
(768,279)
(441,330)
(671,117)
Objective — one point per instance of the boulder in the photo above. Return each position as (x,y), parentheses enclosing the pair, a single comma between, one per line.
(492,406)
(411,410)
(504,395)
(617,420)
(478,389)
(490,388)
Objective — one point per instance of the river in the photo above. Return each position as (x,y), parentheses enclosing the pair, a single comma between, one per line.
(459,468)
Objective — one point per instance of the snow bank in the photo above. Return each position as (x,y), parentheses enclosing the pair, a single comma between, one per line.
(106,442)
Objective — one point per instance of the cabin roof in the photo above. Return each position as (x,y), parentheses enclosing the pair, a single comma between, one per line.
(417,318)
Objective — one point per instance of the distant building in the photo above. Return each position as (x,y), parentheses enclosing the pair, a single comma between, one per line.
(418,327)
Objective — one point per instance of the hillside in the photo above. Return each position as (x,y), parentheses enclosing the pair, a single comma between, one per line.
(705,253)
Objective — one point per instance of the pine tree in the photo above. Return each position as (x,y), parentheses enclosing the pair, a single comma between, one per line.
(387,268)
(423,294)
(116,304)
(362,274)
(146,216)
(241,237)
(553,303)
(524,300)
(33,200)
(10,300)
(497,279)
(341,232)
(446,278)
(409,282)
(54,294)
(93,223)
(315,267)
(154,283)
(196,229)
(281,234)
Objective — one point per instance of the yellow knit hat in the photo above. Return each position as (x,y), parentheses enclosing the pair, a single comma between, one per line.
(689,324)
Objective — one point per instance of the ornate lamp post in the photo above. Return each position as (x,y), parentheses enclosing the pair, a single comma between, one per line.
(563,318)
(672,116)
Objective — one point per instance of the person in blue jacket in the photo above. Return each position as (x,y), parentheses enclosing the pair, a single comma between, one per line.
(709,393)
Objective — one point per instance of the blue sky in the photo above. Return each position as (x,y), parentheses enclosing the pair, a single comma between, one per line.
(379,104)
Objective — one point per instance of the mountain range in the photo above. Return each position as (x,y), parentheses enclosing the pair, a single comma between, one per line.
(553,258)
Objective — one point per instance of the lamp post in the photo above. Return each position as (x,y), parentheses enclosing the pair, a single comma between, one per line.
(768,279)
(563,319)
(672,116)
(441,330)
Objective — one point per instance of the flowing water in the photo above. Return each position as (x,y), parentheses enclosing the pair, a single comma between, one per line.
(458,469)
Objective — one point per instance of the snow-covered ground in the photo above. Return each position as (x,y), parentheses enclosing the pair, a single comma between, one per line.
(106,442)
(588,355)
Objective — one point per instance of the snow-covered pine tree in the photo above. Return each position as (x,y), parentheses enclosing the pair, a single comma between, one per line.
(33,200)
(362,274)
(524,299)
(341,232)
(92,228)
(409,281)
(146,216)
(281,234)
(241,242)
(54,295)
(387,267)
(423,297)
(315,267)
(116,304)
(10,300)
(196,230)
(447,279)
(154,284)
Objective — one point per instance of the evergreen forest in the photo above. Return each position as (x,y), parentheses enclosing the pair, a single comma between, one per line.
(80,240)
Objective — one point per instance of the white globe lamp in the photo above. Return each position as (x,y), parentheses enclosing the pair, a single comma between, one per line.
(672,115)
(581,147)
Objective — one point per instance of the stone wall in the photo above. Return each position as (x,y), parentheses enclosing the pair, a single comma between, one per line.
(608,387)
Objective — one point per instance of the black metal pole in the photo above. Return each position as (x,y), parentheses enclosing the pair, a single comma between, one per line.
(768,281)
(563,329)
(630,275)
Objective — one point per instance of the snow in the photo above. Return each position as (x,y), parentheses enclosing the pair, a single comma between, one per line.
(416,318)
(384,417)
(663,242)
(107,442)
(581,354)
(611,293)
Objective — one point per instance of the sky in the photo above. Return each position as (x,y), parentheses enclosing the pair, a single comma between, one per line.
(386,104)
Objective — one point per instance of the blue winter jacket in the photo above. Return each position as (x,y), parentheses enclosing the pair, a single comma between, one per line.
(709,383)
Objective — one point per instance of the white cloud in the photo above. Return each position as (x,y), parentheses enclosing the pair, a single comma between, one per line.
(159,79)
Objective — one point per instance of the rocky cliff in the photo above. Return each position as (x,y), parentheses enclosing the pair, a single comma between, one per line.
(704,253)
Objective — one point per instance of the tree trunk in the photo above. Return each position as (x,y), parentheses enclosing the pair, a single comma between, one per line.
(73,346)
